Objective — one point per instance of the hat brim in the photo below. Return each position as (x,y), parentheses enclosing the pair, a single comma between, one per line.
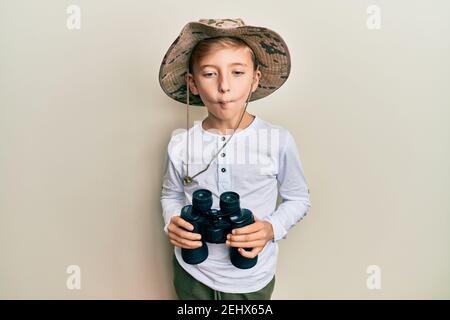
(270,50)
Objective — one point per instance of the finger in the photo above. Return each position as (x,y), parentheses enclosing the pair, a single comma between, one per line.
(175,227)
(182,233)
(182,223)
(175,243)
(180,245)
(256,226)
(250,254)
(250,244)
(185,242)
(259,235)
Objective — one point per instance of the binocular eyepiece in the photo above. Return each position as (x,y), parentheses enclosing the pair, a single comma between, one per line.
(214,225)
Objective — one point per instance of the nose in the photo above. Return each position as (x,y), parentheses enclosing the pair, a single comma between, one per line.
(224,85)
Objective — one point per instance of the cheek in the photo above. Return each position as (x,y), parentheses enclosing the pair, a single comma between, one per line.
(206,89)
(244,91)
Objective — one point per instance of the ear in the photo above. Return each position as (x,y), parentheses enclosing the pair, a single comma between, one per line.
(191,83)
(256,76)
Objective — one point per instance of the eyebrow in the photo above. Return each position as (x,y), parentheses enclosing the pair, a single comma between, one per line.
(231,64)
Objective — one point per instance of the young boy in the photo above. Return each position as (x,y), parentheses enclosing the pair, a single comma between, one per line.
(223,64)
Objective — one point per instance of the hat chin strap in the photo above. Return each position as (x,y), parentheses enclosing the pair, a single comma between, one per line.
(188,179)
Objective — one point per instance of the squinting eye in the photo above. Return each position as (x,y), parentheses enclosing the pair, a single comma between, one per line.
(209,74)
(238,72)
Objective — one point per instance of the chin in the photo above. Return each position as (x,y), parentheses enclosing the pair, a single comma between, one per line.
(226,114)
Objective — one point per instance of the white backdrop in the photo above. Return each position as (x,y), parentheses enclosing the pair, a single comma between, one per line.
(84,126)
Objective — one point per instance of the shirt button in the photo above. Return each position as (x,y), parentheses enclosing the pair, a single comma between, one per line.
(223,170)
(223,155)
(223,138)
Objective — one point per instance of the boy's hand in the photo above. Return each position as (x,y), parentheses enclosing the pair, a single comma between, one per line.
(178,235)
(255,236)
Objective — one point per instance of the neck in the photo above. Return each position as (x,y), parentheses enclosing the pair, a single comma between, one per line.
(212,122)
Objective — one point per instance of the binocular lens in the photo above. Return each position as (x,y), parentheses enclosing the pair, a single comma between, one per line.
(202,200)
(229,202)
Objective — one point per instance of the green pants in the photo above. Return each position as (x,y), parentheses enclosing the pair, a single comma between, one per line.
(189,288)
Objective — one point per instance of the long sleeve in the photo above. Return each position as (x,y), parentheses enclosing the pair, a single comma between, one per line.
(293,190)
(172,194)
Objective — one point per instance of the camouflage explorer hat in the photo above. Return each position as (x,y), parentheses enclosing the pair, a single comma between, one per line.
(271,53)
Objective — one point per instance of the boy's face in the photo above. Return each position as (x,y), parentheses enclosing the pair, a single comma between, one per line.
(223,79)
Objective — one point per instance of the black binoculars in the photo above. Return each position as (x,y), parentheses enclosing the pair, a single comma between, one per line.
(214,225)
